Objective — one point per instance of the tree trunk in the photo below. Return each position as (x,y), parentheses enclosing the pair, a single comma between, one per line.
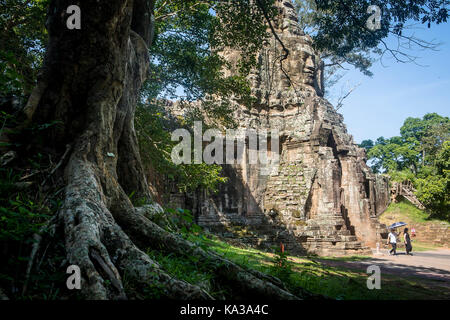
(90,84)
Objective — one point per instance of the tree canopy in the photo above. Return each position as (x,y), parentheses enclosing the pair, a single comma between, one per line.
(340,32)
(22,44)
(419,154)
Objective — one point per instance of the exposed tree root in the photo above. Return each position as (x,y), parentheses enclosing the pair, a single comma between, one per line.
(94,77)
(106,254)
(102,250)
(145,232)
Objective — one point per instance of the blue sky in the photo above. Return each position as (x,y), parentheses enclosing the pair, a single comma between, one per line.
(379,106)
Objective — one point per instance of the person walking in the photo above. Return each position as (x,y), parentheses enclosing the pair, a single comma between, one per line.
(407,240)
(392,240)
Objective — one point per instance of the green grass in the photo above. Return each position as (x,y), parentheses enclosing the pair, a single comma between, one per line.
(422,246)
(405,211)
(186,268)
(302,273)
(417,247)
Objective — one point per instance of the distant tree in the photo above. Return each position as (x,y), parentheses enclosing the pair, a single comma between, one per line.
(433,185)
(367,144)
(420,154)
(427,134)
(393,154)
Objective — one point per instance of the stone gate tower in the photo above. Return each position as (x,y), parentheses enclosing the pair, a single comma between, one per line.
(323,198)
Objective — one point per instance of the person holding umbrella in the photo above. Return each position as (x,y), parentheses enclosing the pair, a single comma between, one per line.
(392,240)
(392,237)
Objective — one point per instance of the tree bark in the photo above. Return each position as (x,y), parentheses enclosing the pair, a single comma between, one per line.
(90,86)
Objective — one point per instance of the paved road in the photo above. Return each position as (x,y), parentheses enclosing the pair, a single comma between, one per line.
(430,265)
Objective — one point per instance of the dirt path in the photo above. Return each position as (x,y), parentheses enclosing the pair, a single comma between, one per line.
(428,265)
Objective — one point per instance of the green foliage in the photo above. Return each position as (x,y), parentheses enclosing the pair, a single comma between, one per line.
(281,267)
(419,144)
(318,278)
(342,24)
(6,119)
(22,215)
(393,154)
(367,144)
(186,268)
(427,135)
(407,212)
(153,130)
(400,176)
(433,187)
(421,154)
(137,201)
(340,34)
(155,289)
(186,64)
(10,80)
(21,218)
(26,206)
(182,221)
(310,18)
(22,42)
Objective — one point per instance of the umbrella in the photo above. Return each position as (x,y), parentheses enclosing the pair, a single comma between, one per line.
(397,224)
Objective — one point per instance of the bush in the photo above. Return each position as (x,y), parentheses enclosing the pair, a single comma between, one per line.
(433,188)
(281,266)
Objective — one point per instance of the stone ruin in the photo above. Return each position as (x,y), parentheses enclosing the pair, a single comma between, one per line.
(405,190)
(323,198)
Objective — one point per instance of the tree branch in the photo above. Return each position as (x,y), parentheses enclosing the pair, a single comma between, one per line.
(342,98)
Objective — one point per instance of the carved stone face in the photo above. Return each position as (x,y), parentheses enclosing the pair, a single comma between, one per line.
(275,78)
(309,69)
(302,64)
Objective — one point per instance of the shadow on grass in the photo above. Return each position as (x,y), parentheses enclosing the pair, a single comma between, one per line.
(349,258)
(343,278)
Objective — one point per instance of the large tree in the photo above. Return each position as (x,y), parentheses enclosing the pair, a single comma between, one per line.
(90,85)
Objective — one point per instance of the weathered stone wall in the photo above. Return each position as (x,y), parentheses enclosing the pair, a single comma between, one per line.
(437,233)
(323,197)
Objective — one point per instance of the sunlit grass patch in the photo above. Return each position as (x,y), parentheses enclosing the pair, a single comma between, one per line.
(330,281)
(407,212)
(422,246)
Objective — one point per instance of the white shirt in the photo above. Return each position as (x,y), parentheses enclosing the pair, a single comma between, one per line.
(392,238)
